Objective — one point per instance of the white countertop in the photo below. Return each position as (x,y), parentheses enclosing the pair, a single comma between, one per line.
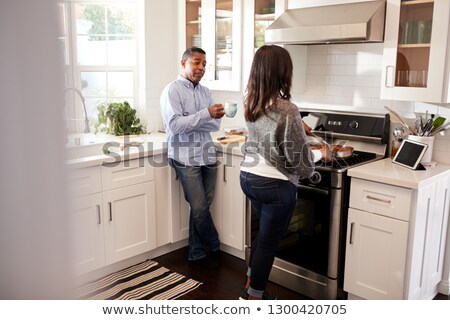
(384,171)
(89,152)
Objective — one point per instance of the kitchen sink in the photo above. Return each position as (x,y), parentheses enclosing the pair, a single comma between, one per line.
(83,151)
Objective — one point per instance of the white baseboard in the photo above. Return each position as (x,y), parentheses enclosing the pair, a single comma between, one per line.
(444,287)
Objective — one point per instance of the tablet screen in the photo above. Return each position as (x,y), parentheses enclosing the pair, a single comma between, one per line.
(410,153)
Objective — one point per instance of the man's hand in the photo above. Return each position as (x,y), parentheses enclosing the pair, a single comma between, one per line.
(216,111)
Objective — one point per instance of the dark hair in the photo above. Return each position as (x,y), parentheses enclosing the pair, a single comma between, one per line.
(190,51)
(270,79)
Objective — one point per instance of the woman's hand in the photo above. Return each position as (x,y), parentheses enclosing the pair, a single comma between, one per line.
(327,154)
(308,129)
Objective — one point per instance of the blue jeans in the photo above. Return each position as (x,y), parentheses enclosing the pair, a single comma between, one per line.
(198,185)
(273,200)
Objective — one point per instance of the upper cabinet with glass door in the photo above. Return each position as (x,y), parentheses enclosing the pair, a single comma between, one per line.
(215,26)
(264,16)
(415,51)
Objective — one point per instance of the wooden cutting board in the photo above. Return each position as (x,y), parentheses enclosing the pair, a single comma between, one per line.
(232,138)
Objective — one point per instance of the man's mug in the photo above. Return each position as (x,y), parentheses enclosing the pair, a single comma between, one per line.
(230,109)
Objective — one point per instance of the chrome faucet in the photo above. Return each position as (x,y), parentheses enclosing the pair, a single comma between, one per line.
(86,120)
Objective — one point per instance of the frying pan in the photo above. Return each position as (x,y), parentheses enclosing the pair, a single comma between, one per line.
(338,151)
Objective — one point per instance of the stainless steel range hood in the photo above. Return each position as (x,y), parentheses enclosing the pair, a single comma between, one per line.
(341,23)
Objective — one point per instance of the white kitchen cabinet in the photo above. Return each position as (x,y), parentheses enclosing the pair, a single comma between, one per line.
(129,208)
(130,227)
(395,239)
(375,256)
(415,56)
(229,204)
(255,21)
(87,233)
(162,200)
(113,212)
(180,209)
(430,229)
(215,26)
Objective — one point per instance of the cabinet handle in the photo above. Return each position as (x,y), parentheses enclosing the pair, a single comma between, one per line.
(391,85)
(110,211)
(379,199)
(224,173)
(351,233)
(99,219)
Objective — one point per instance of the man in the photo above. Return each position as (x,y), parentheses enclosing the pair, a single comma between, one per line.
(189,116)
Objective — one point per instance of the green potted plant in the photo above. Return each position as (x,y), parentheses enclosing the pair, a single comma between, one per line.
(118,119)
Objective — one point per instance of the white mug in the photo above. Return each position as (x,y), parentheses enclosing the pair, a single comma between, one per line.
(230,109)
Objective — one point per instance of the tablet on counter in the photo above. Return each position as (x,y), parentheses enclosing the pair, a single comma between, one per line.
(410,154)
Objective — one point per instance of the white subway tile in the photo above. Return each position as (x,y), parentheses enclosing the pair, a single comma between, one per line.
(343,80)
(346,59)
(333,91)
(317,49)
(336,69)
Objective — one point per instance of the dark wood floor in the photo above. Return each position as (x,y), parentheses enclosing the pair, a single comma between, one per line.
(225,283)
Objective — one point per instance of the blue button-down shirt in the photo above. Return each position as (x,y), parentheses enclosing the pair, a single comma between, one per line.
(188,124)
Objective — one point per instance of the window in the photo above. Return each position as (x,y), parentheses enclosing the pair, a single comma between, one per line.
(100,48)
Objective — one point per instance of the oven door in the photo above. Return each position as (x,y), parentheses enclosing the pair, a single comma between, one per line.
(306,243)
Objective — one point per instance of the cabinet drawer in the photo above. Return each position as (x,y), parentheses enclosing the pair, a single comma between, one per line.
(121,174)
(386,200)
(84,181)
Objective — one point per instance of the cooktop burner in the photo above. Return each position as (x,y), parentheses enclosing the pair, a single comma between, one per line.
(340,163)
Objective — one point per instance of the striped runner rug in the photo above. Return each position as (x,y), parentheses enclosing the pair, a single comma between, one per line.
(144,281)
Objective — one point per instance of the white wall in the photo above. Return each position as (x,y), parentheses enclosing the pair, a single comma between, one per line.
(161,57)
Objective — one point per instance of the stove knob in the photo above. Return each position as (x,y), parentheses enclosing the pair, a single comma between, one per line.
(353,124)
(315,178)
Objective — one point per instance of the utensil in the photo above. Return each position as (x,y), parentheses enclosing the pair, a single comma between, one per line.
(440,129)
(399,133)
(439,121)
(321,141)
(395,117)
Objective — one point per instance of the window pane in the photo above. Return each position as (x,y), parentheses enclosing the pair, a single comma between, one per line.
(93,84)
(121,51)
(120,84)
(91,109)
(91,51)
(91,19)
(121,19)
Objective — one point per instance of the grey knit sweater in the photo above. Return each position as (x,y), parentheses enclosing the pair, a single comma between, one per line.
(280,138)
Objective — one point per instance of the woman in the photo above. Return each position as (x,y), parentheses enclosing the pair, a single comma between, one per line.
(276,157)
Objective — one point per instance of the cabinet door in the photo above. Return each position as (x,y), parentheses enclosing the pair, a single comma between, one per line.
(375,256)
(438,232)
(415,47)
(179,209)
(233,207)
(228,208)
(258,15)
(429,240)
(87,231)
(221,34)
(162,199)
(130,221)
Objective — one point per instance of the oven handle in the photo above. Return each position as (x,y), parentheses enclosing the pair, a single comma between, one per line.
(315,190)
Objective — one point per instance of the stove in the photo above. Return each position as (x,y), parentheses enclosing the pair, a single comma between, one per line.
(310,257)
